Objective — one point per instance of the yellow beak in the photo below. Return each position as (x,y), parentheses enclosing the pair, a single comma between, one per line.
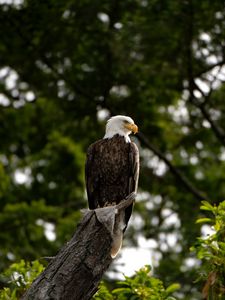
(132,127)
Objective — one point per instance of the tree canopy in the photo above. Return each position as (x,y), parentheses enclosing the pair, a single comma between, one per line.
(65,66)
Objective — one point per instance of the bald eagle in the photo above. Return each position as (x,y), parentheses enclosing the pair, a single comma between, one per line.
(112,166)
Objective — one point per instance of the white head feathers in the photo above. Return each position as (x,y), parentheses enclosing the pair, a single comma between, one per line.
(121,125)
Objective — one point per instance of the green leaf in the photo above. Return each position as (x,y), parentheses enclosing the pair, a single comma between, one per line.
(121,290)
(172,288)
(217,226)
(206,206)
(204,220)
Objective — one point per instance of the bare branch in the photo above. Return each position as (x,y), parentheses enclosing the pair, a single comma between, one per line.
(219,133)
(191,79)
(209,68)
(177,173)
(75,272)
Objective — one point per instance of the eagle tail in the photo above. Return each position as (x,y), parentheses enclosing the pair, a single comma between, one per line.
(117,237)
(116,243)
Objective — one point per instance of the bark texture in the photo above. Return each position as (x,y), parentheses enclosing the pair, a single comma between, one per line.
(75,272)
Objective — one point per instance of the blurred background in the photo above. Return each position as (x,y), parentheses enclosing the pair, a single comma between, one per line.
(68,65)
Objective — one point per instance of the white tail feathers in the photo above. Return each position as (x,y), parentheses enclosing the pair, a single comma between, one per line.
(113,219)
(116,243)
(117,236)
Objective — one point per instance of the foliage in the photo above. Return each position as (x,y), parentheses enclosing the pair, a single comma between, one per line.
(211,251)
(18,278)
(142,286)
(103,293)
(19,218)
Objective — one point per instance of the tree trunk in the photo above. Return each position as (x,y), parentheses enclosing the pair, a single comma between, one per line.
(75,272)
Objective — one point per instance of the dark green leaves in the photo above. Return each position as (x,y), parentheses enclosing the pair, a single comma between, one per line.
(142,286)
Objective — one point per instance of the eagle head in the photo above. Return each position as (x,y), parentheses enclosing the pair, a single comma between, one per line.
(121,125)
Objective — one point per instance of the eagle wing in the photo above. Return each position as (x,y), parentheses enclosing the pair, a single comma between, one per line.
(133,177)
(93,176)
(134,163)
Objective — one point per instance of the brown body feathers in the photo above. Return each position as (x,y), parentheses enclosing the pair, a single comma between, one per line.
(111,172)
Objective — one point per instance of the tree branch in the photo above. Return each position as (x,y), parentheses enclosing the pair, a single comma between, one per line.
(177,173)
(219,133)
(75,272)
(209,68)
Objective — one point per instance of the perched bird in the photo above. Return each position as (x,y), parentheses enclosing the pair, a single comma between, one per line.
(112,168)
